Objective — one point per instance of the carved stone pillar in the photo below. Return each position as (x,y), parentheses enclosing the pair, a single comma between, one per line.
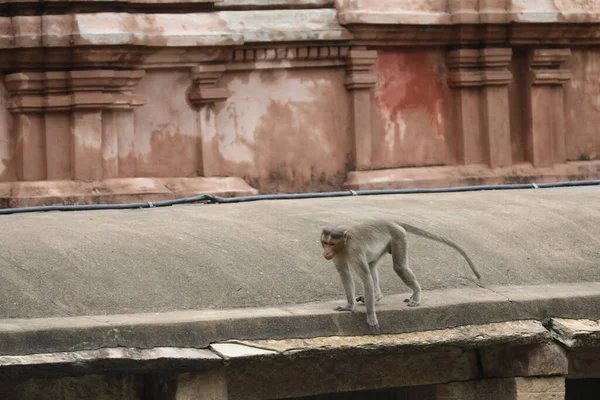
(480,78)
(66,125)
(546,133)
(359,80)
(204,93)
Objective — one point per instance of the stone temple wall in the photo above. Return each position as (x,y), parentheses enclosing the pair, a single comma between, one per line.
(117,101)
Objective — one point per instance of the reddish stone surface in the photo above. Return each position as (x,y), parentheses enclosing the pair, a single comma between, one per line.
(166,130)
(411,110)
(517,92)
(288,100)
(122,190)
(7,172)
(285,130)
(468,175)
(582,105)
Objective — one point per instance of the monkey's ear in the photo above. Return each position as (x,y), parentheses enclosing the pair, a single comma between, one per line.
(346,236)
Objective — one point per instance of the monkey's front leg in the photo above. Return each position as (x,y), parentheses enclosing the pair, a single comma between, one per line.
(369,286)
(348,283)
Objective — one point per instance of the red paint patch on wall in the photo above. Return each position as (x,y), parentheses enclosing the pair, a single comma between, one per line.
(411,124)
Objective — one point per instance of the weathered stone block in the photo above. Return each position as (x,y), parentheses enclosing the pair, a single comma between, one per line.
(529,360)
(126,387)
(278,377)
(504,389)
(204,386)
(584,363)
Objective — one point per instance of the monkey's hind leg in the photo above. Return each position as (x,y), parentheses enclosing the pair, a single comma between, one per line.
(400,259)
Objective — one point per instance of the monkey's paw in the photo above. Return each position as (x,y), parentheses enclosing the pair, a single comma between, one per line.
(412,302)
(361,299)
(374,327)
(347,307)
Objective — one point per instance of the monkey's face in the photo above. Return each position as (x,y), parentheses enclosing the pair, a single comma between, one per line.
(332,243)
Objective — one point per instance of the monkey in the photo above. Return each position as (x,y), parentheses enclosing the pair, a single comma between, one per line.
(361,248)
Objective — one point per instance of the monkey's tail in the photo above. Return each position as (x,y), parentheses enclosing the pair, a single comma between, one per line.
(441,239)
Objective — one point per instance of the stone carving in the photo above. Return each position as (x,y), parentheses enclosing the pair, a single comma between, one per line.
(360,78)
(69,124)
(487,69)
(545,102)
(204,87)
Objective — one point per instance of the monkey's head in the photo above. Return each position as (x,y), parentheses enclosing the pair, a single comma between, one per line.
(333,240)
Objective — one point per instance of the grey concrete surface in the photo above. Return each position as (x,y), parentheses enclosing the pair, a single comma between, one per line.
(446,308)
(267,253)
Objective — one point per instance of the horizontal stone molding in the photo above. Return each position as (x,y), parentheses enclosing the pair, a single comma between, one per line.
(463,175)
(545,66)
(20,2)
(287,57)
(549,57)
(204,87)
(262,4)
(76,101)
(359,69)
(221,28)
(65,90)
(476,58)
(66,81)
(479,67)
(550,77)
(290,53)
(450,12)
(475,34)
(478,78)
(118,190)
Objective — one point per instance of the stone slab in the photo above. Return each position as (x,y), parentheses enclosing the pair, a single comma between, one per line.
(546,388)
(113,359)
(538,359)
(238,350)
(575,333)
(466,337)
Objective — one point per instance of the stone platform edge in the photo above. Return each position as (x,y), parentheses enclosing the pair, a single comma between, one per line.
(198,329)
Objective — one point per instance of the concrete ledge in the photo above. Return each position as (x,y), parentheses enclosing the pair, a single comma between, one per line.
(133,360)
(114,191)
(441,309)
(448,176)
